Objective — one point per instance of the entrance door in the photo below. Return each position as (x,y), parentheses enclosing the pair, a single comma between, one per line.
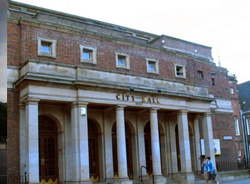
(148,149)
(93,151)
(48,149)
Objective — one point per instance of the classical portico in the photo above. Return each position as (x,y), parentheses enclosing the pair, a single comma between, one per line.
(146,125)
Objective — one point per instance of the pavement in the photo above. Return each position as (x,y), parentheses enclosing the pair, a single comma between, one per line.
(3,166)
(242,181)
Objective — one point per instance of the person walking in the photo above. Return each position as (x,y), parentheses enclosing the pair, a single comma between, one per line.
(210,171)
(205,169)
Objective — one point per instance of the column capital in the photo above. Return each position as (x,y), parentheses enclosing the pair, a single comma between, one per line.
(183,111)
(120,106)
(207,114)
(79,104)
(154,109)
(31,101)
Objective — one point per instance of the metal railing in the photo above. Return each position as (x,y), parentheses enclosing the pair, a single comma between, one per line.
(16,179)
(146,171)
(232,165)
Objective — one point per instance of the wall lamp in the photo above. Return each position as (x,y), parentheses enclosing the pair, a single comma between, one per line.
(159,90)
(131,88)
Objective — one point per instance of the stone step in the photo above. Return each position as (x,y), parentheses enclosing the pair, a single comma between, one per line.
(171,181)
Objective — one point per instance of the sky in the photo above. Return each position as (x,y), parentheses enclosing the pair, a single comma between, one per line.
(223,25)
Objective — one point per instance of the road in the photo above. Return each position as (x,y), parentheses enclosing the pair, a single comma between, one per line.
(3,166)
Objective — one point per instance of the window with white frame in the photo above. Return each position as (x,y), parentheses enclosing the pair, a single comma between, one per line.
(122,60)
(46,47)
(152,65)
(236,124)
(88,54)
(180,71)
(248,125)
(231,91)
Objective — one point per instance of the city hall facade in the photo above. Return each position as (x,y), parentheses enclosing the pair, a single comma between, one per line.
(90,101)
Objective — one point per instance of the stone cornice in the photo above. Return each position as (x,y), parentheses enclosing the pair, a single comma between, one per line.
(49,72)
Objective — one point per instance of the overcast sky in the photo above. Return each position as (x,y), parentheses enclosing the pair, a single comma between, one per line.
(3,51)
(223,25)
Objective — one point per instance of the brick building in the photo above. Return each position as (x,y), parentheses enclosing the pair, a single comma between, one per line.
(244,95)
(90,101)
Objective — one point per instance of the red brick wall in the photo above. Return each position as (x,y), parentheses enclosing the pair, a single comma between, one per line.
(13,155)
(68,52)
(13,44)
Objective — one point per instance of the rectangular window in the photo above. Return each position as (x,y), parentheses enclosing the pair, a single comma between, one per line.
(200,74)
(88,54)
(152,66)
(180,71)
(46,47)
(231,91)
(213,82)
(248,125)
(122,60)
(237,128)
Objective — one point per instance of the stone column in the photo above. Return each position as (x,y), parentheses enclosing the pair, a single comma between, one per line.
(184,142)
(80,149)
(197,143)
(23,139)
(208,136)
(32,148)
(155,144)
(121,143)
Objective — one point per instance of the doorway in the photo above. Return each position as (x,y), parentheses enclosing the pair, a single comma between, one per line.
(93,151)
(48,149)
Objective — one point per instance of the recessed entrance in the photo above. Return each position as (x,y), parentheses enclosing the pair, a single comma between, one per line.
(48,149)
(93,151)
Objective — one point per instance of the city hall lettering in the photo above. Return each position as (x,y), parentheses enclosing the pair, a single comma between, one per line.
(126,97)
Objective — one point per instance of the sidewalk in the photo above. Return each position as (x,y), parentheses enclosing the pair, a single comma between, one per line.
(242,181)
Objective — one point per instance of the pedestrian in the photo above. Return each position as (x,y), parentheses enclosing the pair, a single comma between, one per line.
(211,171)
(205,169)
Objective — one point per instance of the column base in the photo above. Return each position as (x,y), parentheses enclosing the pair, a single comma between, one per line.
(123,181)
(185,178)
(78,182)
